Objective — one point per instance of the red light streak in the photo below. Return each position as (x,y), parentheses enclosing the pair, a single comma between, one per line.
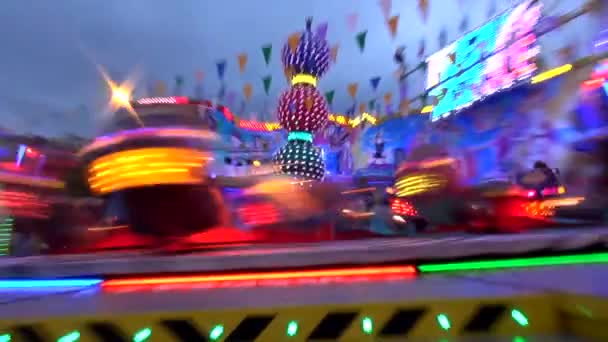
(593,84)
(339,274)
(257,214)
(405,208)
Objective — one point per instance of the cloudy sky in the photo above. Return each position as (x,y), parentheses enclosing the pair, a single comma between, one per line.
(49,83)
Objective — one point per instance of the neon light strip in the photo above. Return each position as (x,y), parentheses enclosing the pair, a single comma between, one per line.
(551,73)
(304,78)
(305,136)
(47,283)
(594,258)
(261,276)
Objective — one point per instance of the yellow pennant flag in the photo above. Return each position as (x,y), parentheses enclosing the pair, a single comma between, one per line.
(247,91)
(334,53)
(393,23)
(242,58)
(352,89)
(293,41)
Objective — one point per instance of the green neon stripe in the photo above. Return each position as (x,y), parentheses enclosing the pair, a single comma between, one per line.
(593,258)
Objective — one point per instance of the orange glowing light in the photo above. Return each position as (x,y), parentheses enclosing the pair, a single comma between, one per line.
(264,276)
(147,166)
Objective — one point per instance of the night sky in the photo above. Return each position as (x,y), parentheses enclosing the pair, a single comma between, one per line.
(49,83)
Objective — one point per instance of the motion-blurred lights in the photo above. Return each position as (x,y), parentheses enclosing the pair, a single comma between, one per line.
(551,73)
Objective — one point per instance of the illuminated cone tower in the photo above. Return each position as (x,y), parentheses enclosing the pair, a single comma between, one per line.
(302,109)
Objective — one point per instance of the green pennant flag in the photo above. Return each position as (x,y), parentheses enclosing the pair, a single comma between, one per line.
(361,40)
(371,105)
(267,52)
(329,96)
(267,81)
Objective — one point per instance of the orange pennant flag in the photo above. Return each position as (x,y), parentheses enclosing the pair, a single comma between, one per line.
(404,107)
(288,73)
(247,91)
(308,103)
(423,7)
(388,97)
(334,53)
(352,89)
(293,41)
(393,22)
(362,108)
(242,62)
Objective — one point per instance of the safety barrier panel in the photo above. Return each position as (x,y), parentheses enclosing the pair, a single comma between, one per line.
(398,321)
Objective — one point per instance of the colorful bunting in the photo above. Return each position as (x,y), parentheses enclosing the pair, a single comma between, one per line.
(267,82)
(361,40)
(334,52)
(423,7)
(393,23)
(221,69)
(351,21)
(293,41)
(267,52)
(386,7)
(247,91)
(242,59)
(321,31)
(329,96)
(388,98)
(375,81)
(352,89)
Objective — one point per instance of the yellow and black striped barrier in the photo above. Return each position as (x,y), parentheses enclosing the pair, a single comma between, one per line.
(437,320)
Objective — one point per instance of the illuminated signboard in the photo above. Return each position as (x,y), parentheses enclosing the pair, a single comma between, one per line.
(462,73)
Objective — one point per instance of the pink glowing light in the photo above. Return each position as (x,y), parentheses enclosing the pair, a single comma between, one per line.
(516,42)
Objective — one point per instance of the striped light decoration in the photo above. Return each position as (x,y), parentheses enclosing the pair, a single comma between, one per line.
(146,167)
(302,109)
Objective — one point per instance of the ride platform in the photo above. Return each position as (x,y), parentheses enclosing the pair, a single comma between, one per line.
(525,305)
(320,292)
